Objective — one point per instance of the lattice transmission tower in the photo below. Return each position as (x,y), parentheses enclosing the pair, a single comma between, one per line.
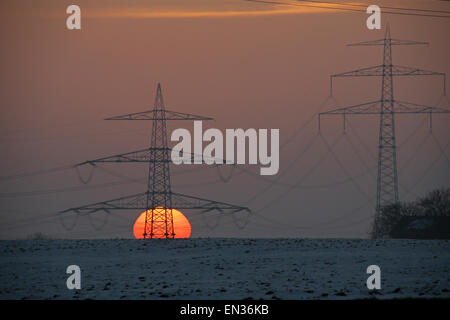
(159,200)
(386,108)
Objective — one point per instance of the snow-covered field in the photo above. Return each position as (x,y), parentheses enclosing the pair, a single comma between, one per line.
(224,268)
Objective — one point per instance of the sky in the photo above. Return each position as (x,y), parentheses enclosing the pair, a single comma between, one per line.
(245,64)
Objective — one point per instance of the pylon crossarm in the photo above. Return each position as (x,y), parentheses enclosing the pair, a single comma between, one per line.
(136,201)
(408,71)
(139,202)
(381,42)
(363,72)
(159,115)
(183,201)
(377,71)
(399,42)
(145,155)
(409,107)
(373,108)
(173,115)
(363,108)
(133,156)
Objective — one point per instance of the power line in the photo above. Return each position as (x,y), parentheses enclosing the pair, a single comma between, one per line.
(127,180)
(267,188)
(308,186)
(300,180)
(381,7)
(344,170)
(345,9)
(308,121)
(35,173)
(61,190)
(293,226)
(368,168)
(32,220)
(441,149)
(428,169)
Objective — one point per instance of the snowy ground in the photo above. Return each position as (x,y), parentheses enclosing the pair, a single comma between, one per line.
(224,269)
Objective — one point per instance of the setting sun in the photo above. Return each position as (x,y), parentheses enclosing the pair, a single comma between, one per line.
(181,225)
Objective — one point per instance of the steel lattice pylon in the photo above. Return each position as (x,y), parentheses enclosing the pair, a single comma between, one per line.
(387,184)
(160,222)
(159,200)
(386,108)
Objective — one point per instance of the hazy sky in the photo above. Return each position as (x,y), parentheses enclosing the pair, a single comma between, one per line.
(246,64)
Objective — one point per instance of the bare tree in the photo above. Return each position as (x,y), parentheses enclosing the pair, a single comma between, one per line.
(435,203)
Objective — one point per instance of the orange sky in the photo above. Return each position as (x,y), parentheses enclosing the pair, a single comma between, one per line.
(202,9)
(248,65)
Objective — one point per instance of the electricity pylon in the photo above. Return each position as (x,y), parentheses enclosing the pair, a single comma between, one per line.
(386,108)
(159,200)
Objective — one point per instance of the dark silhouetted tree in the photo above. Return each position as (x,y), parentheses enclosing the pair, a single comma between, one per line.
(435,203)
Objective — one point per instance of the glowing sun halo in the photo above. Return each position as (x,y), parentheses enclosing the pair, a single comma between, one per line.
(181,225)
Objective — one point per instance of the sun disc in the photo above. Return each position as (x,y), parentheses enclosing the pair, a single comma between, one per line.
(181,225)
